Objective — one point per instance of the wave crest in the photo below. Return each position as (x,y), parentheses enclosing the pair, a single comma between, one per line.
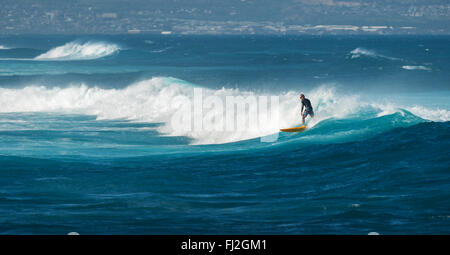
(80,51)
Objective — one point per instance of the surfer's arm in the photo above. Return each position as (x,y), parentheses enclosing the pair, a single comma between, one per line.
(301,111)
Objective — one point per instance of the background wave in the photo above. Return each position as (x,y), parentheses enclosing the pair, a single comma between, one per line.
(80,51)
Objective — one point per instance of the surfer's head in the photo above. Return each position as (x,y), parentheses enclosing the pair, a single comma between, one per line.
(302,96)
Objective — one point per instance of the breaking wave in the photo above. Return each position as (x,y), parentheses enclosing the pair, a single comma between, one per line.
(155,101)
(80,51)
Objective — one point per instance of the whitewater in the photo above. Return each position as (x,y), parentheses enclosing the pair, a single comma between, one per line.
(79,51)
(151,101)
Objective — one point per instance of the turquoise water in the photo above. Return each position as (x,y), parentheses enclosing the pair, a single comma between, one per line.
(87,145)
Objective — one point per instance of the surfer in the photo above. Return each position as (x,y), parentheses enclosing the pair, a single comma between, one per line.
(308,108)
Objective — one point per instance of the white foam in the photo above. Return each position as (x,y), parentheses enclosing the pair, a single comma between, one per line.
(161,50)
(385,109)
(416,68)
(430,114)
(79,51)
(3,47)
(152,101)
(356,53)
(433,114)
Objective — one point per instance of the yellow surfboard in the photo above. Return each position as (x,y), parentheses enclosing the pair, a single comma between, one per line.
(295,129)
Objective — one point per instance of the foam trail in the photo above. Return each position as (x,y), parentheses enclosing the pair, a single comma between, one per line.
(161,50)
(358,52)
(154,101)
(416,68)
(80,51)
(4,47)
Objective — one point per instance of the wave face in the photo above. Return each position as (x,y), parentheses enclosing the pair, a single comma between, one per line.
(80,51)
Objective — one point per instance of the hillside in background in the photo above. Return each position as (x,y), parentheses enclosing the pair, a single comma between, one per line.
(226,17)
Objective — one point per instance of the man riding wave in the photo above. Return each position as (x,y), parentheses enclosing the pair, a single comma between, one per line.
(308,108)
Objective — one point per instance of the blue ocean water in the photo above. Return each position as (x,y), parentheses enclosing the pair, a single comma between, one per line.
(86,143)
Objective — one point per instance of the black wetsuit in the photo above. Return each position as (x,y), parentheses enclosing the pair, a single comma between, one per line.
(308,108)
